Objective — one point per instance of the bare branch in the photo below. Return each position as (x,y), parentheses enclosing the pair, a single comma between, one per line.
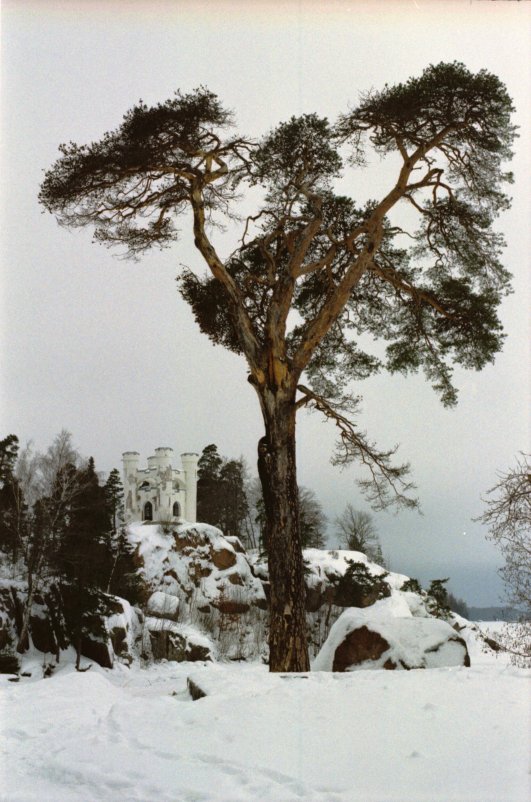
(387,485)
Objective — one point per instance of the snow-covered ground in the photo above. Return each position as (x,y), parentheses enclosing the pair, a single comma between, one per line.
(367,736)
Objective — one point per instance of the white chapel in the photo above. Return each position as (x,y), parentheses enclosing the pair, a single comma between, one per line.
(160,492)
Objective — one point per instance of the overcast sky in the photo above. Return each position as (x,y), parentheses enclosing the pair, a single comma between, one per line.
(107,349)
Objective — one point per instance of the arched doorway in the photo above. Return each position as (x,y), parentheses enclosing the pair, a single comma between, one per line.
(148,511)
(176,510)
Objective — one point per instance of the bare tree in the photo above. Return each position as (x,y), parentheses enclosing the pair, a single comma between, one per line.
(508,516)
(312,519)
(50,485)
(356,530)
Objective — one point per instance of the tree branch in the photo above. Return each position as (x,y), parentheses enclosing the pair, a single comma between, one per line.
(387,485)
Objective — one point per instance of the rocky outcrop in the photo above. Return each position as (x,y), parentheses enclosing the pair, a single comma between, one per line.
(202,594)
(198,566)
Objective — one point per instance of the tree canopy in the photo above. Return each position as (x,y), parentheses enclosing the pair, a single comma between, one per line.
(314,271)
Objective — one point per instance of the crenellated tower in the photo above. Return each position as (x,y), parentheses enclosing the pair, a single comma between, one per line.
(160,492)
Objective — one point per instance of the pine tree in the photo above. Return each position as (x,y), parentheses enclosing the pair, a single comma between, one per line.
(50,483)
(13,509)
(234,504)
(83,561)
(318,274)
(8,456)
(209,499)
(114,499)
(221,494)
(124,579)
(437,601)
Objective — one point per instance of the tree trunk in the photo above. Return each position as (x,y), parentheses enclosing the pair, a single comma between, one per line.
(288,648)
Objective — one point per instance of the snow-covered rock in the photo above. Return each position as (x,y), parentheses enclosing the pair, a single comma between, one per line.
(124,627)
(326,579)
(178,642)
(163,605)
(387,635)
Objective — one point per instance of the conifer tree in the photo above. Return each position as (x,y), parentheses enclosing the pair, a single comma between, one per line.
(221,495)
(13,509)
(83,560)
(208,486)
(315,270)
(114,499)
(234,504)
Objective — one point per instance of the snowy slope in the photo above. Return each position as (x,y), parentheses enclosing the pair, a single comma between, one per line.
(370,736)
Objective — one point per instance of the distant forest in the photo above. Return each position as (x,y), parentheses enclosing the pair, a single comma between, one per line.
(494,614)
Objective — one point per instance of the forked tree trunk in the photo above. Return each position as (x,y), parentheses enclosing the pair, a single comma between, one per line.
(288,649)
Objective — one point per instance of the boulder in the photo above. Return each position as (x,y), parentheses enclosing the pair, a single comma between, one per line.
(10,606)
(118,636)
(388,636)
(5,637)
(359,646)
(124,628)
(180,643)
(7,617)
(9,663)
(195,690)
(261,603)
(198,565)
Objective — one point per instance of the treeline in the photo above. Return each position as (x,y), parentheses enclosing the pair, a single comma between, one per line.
(61,535)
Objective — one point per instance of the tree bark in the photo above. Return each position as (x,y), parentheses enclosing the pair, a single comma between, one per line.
(288,648)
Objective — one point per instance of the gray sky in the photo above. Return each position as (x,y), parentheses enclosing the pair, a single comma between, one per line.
(107,349)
